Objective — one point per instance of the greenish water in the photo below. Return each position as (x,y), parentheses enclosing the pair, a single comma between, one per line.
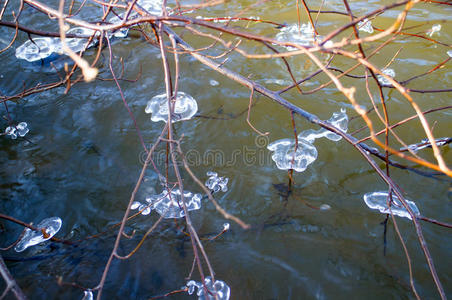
(82,157)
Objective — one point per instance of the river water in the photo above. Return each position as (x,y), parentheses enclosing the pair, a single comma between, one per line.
(82,157)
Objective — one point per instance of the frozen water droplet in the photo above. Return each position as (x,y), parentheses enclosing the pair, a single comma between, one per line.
(218,290)
(185,107)
(135,205)
(226,226)
(379,200)
(11,131)
(145,209)
(216,183)
(286,157)
(384,81)
(366,26)
(39,49)
(88,295)
(325,207)
(169,205)
(22,129)
(435,28)
(213,82)
(31,237)
(425,143)
(449,53)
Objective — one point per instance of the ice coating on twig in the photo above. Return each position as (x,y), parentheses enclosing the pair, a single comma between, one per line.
(41,48)
(435,28)
(287,156)
(379,200)
(226,226)
(185,107)
(384,81)
(144,208)
(20,130)
(425,143)
(38,49)
(338,120)
(50,225)
(169,205)
(216,183)
(366,26)
(449,53)
(78,44)
(87,295)
(218,290)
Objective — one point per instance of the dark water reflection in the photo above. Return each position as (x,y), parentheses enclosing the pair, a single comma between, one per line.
(82,158)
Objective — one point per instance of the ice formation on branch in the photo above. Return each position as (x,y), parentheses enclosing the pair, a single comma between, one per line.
(144,208)
(154,7)
(380,200)
(425,143)
(289,155)
(435,28)
(185,107)
(87,295)
(20,130)
(384,81)
(338,120)
(218,290)
(169,205)
(449,53)
(366,26)
(31,237)
(216,183)
(40,48)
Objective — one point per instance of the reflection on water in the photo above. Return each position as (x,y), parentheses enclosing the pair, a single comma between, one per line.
(82,157)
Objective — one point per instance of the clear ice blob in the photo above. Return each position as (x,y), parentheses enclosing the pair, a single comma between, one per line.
(425,143)
(169,205)
(37,49)
(449,53)
(20,130)
(338,120)
(286,157)
(185,108)
(213,82)
(218,290)
(325,207)
(226,226)
(51,225)
(78,44)
(379,200)
(145,208)
(216,183)
(435,28)
(366,26)
(87,295)
(384,81)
